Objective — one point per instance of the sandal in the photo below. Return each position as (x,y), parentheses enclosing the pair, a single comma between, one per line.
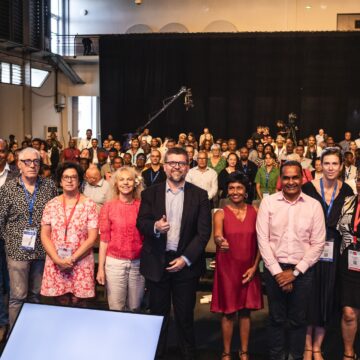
(241,353)
(225,354)
(350,356)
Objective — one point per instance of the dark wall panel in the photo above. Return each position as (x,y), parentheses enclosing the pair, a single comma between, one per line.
(238,81)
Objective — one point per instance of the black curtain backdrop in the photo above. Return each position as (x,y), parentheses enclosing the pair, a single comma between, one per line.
(238,81)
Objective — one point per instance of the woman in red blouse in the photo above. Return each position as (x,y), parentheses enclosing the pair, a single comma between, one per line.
(121,243)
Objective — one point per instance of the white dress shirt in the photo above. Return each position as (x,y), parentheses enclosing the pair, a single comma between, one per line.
(3,174)
(206,180)
(84,144)
(99,193)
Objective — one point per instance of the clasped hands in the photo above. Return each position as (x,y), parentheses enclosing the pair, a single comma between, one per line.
(66,264)
(285,280)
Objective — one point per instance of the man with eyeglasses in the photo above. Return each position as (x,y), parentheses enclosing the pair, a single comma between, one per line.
(22,203)
(175,220)
(6,174)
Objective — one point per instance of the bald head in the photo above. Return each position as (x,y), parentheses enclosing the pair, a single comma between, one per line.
(93,175)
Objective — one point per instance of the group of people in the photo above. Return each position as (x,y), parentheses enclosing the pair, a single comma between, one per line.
(146,204)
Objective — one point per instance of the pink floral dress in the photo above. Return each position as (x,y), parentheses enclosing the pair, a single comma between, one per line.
(80,281)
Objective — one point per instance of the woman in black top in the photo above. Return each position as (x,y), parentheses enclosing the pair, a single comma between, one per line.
(331,193)
(232,166)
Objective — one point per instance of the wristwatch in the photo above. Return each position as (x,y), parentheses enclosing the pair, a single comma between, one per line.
(296,272)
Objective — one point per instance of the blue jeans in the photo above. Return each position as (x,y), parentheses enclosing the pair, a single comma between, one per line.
(4,285)
(288,308)
(25,284)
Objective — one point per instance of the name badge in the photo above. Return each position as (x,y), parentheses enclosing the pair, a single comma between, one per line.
(354,260)
(64,253)
(328,252)
(29,239)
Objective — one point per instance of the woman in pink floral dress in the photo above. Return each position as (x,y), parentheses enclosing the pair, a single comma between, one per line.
(69,230)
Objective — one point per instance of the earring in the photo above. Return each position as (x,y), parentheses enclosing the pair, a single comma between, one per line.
(246,195)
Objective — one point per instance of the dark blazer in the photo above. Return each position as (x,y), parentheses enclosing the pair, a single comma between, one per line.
(194,234)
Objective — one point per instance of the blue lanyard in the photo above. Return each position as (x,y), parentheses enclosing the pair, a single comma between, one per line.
(332,197)
(153,178)
(30,199)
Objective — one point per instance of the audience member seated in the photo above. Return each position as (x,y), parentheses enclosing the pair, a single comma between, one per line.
(216,161)
(266,177)
(317,173)
(71,154)
(86,143)
(191,153)
(108,168)
(155,173)
(134,150)
(94,151)
(140,163)
(203,177)
(96,188)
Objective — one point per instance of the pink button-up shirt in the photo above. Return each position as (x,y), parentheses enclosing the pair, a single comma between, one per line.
(290,233)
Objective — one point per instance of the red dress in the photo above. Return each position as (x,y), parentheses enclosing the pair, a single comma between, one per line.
(229,294)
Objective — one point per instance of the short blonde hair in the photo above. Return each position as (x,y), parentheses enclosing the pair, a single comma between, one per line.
(139,182)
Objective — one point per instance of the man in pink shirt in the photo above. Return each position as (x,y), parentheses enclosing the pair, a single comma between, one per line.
(291,236)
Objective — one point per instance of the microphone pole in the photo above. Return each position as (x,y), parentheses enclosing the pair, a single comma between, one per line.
(166,103)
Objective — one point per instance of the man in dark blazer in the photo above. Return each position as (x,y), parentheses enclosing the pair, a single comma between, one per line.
(175,220)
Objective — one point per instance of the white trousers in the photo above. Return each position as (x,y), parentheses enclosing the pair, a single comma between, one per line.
(124,284)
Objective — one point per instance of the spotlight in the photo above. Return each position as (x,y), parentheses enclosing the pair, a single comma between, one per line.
(138,2)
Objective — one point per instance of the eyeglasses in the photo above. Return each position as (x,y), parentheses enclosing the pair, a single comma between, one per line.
(70,178)
(28,162)
(173,164)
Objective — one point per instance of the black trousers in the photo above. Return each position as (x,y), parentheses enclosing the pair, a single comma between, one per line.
(181,293)
(288,309)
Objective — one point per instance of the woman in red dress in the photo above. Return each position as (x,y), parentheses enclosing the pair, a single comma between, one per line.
(237,286)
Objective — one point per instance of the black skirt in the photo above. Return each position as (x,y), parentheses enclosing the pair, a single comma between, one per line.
(324,305)
(350,281)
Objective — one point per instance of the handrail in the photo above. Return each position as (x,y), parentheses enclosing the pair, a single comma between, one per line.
(75,45)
